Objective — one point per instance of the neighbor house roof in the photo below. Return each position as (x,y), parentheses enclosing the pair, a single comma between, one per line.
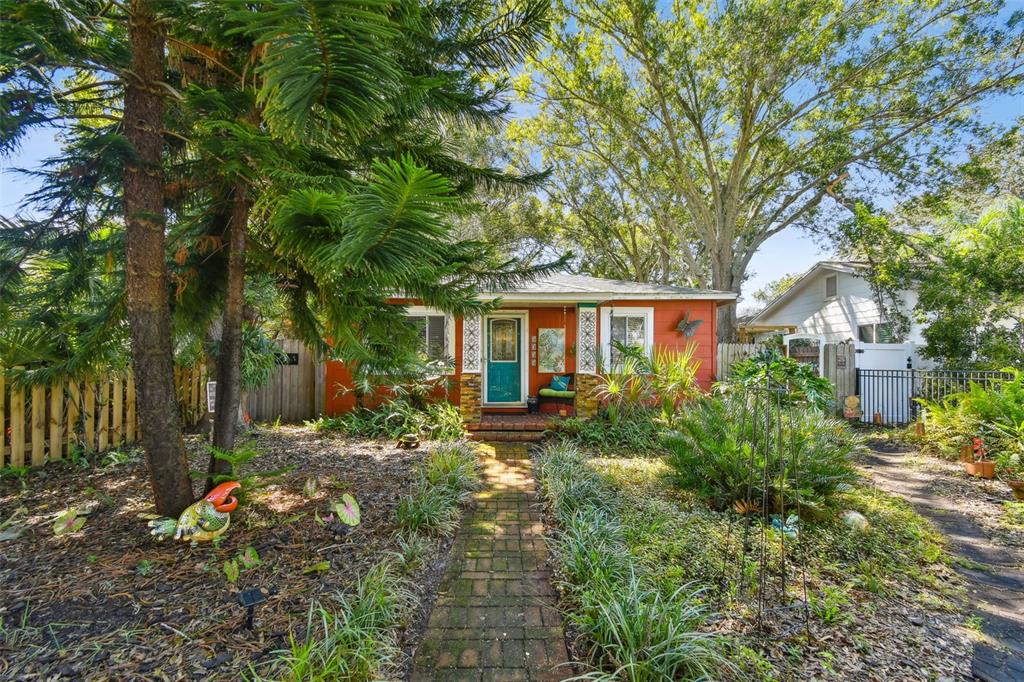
(566,287)
(850,267)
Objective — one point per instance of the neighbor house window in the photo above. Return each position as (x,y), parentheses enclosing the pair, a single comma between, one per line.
(631,327)
(831,286)
(433,332)
(875,333)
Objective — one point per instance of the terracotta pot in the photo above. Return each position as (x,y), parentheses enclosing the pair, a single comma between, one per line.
(1018,489)
(981,469)
(966,453)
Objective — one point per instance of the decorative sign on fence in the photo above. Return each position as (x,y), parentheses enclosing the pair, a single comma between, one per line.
(211,395)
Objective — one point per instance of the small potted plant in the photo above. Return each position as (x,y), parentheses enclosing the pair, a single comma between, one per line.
(1010,468)
(979,464)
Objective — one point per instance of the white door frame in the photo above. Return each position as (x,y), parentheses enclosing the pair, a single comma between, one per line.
(524,355)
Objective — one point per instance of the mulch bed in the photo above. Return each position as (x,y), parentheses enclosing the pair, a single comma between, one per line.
(111,602)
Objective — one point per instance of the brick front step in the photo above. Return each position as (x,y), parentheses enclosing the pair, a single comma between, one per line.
(511,423)
(507,436)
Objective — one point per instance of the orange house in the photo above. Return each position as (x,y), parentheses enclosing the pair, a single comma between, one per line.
(561,325)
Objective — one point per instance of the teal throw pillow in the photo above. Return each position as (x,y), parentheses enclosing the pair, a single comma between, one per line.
(560,383)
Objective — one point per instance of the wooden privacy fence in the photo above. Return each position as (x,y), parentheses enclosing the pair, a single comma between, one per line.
(46,422)
(295,391)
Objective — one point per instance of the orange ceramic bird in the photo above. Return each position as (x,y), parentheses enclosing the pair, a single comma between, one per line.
(202,521)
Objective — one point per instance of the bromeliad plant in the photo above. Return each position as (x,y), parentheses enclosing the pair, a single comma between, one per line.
(662,379)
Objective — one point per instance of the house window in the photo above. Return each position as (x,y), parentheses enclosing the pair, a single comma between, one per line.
(433,332)
(875,333)
(831,286)
(632,327)
(504,341)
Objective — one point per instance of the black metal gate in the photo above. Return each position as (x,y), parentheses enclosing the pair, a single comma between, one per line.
(893,393)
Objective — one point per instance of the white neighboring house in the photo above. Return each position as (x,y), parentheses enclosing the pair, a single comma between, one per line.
(833,302)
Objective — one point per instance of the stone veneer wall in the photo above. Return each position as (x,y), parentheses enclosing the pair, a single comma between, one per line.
(586,395)
(470,397)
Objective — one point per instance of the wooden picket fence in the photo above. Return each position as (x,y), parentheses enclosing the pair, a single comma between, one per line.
(46,422)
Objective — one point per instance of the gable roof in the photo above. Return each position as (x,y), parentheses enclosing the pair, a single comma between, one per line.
(850,267)
(563,286)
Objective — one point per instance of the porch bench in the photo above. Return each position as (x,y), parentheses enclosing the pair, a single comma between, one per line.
(554,399)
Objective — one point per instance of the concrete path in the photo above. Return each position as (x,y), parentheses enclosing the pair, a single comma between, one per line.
(995,583)
(495,615)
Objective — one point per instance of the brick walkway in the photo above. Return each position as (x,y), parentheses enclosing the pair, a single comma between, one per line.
(495,618)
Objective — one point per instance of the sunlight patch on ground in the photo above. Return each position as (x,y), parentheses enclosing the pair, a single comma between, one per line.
(278,499)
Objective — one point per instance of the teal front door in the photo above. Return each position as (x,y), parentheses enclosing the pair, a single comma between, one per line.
(504,364)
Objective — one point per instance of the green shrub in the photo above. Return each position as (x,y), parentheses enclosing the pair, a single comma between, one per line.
(738,447)
(353,639)
(770,368)
(634,432)
(394,418)
(994,411)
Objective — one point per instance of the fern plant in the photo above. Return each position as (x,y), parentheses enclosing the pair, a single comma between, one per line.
(238,469)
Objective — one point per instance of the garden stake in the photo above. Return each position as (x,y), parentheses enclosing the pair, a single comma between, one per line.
(249,599)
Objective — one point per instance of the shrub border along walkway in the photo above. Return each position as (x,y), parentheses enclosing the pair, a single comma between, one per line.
(995,584)
(495,616)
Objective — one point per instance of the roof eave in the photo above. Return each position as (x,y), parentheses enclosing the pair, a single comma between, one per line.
(596,297)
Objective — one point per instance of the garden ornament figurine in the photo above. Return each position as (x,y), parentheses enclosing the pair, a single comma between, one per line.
(203,521)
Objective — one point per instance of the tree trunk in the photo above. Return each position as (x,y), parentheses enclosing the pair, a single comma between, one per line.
(229,359)
(149,315)
(723,279)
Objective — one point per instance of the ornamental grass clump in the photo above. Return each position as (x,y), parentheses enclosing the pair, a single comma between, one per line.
(352,637)
(746,448)
(444,482)
(630,629)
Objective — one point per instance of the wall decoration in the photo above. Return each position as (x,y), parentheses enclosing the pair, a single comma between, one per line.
(471,345)
(586,348)
(688,328)
(551,349)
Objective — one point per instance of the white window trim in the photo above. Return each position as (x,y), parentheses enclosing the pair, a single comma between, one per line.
(874,332)
(449,325)
(606,328)
(835,295)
